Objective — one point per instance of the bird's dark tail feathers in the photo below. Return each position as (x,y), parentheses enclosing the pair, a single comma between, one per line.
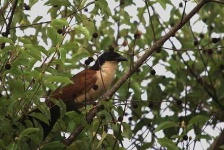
(54,116)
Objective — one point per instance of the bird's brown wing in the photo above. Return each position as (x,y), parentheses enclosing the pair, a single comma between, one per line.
(71,91)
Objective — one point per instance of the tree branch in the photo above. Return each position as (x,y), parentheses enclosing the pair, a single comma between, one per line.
(138,64)
(10,22)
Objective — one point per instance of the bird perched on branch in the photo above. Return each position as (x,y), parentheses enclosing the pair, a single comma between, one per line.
(88,85)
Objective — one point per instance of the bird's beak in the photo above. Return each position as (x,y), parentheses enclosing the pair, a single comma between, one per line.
(121,58)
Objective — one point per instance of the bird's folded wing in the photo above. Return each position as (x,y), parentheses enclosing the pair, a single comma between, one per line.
(82,82)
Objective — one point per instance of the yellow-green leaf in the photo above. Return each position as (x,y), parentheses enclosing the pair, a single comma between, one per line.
(198,119)
(169,144)
(59,23)
(165,125)
(5,40)
(58,79)
(28,131)
(83,30)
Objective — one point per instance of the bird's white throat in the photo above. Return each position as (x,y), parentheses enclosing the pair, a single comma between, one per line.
(106,74)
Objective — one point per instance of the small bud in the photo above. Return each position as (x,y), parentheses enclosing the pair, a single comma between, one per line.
(125,43)
(153,72)
(221,67)
(185,137)
(95,35)
(134,106)
(180,4)
(182,125)
(215,40)
(122,2)
(59,31)
(179,102)
(150,104)
(196,42)
(210,51)
(8,66)
(86,9)
(137,34)
(26,7)
(201,35)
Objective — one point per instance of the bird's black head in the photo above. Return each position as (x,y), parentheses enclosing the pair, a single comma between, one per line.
(107,56)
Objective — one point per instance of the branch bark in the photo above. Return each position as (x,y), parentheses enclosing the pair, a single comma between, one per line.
(138,64)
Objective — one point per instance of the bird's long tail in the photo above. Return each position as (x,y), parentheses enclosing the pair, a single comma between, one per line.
(54,116)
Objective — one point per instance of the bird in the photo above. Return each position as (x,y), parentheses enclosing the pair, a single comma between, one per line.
(88,85)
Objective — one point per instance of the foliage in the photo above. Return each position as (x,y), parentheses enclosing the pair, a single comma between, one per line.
(169,101)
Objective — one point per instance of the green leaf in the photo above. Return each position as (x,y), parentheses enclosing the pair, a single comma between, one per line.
(54,145)
(111,140)
(34,73)
(62,54)
(127,132)
(70,46)
(198,119)
(165,125)
(28,131)
(38,18)
(103,136)
(2,144)
(59,23)
(169,144)
(40,116)
(58,2)
(83,30)
(33,51)
(82,4)
(206,137)
(16,85)
(58,79)
(42,49)
(106,114)
(12,146)
(54,36)
(5,40)
(106,42)
(104,7)
(25,40)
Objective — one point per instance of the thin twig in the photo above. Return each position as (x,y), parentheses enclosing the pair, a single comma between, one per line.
(150,19)
(10,22)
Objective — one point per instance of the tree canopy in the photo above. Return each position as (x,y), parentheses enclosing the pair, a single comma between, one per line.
(169,95)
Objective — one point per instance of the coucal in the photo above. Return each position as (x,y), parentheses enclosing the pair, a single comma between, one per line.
(88,85)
